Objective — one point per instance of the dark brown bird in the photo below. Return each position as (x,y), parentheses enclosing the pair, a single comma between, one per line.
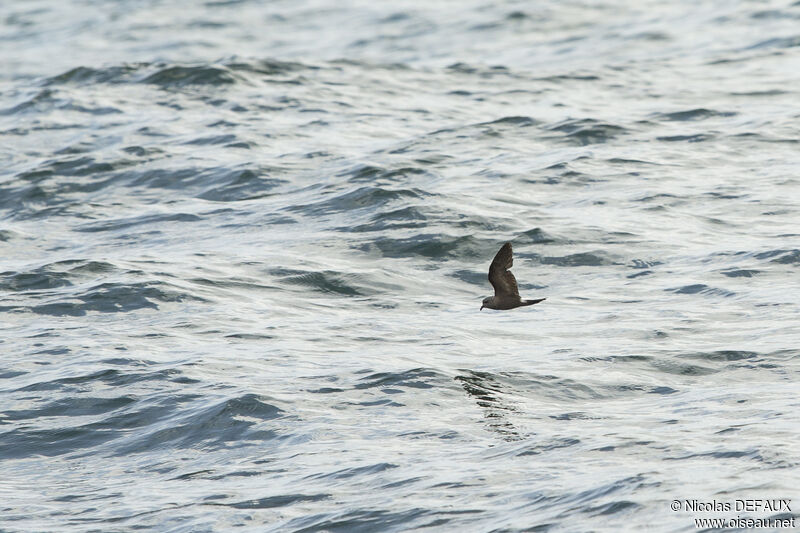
(506,293)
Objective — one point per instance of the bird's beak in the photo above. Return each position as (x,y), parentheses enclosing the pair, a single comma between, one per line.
(481,308)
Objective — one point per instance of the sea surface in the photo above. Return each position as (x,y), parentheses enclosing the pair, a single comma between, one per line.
(244,244)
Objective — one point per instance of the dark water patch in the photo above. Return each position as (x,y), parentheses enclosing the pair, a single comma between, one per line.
(181,76)
(433,142)
(52,100)
(360,198)
(91,76)
(8,235)
(210,140)
(724,196)
(249,336)
(482,71)
(194,475)
(583,500)
(11,374)
(237,283)
(92,110)
(431,245)
(776,42)
(72,406)
(53,275)
(111,298)
(37,280)
(472,277)
(52,351)
(45,186)
(215,183)
(406,217)
(767,93)
(643,264)
(20,443)
(692,115)
(571,416)
(123,223)
(576,260)
(71,167)
(740,273)
(357,521)
(325,390)
(611,508)
(537,236)
(785,354)
(42,100)
(774,14)
(525,383)
(141,151)
(518,121)
(123,361)
(239,473)
(662,390)
(722,355)
(379,175)
(784,257)
(555,444)
(701,288)
(517,15)
(485,387)
(652,36)
(181,179)
(359,471)
(721,454)
(241,144)
(416,378)
(271,67)
(567,176)
(691,138)
(583,132)
(326,281)
(276,501)
(86,266)
(624,161)
(28,441)
(235,420)
(110,377)
(628,358)
(242,185)
(577,76)
(395,17)
(682,369)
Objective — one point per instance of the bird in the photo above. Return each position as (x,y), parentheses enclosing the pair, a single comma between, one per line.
(506,293)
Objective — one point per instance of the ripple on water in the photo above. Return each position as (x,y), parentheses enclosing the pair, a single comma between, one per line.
(326,281)
(108,297)
(586,131)
(784,257)
(433,246)
(368,197)
(210,425)
(692,115)
(701,288)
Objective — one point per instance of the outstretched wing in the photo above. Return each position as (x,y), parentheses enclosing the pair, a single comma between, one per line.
(500,276)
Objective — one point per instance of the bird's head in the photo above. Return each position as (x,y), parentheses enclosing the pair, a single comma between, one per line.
(485,302)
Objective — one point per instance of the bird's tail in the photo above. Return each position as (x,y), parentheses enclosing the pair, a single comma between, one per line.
(531,302)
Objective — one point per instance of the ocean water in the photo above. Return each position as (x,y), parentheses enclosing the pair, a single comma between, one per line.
(243,247)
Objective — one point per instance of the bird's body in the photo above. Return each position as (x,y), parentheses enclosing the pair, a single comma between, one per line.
(506,293)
